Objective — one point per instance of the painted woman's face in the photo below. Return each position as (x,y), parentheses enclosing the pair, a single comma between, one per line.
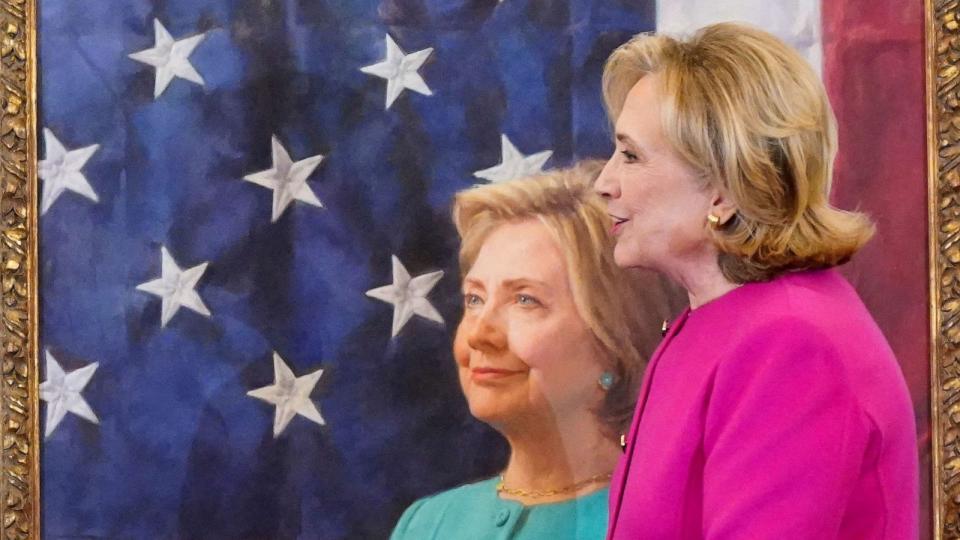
(523,352)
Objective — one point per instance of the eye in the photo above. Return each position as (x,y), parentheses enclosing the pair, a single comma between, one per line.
(629,156)
(472,300)
(527,300)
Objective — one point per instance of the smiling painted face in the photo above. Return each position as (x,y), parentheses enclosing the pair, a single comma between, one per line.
(523,352)
(658,204)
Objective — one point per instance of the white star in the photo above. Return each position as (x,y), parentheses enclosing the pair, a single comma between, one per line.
(400,71)
(60,171)
(290,394)
(62,390)
(408,296)
(513,164)
(171,58)
(176,287)
(287,179)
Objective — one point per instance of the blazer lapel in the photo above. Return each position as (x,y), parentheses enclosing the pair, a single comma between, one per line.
(618,484)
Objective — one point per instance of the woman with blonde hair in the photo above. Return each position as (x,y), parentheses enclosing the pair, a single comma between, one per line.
(552,342)
(774,407)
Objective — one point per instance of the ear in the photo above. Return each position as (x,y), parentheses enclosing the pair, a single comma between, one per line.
(722,205)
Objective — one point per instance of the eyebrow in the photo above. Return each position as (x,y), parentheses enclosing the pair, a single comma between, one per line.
(515,283)
(473,282)
(523,282)
(624,138)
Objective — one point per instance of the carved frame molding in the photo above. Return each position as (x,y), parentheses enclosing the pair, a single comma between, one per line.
(943,151)
(19,394)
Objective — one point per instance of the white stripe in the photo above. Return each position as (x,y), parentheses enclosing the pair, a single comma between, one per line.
(795,21)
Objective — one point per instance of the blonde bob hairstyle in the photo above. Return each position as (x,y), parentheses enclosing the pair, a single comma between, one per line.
(749,114)
(622,308)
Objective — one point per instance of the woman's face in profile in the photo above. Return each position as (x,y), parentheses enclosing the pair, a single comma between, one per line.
(522,350)
(658,205)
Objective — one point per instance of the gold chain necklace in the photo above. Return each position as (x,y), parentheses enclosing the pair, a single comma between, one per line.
(538,494)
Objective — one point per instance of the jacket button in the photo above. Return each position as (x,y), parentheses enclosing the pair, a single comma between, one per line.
(502,517)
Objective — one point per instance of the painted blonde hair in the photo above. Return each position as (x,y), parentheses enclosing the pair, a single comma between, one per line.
(622,308)
(748,112)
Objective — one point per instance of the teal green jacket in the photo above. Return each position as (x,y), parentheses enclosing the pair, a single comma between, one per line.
(475,512)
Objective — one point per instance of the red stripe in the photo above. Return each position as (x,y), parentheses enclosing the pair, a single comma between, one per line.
(873,68)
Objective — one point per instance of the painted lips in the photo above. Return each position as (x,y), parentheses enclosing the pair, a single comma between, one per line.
(485,374)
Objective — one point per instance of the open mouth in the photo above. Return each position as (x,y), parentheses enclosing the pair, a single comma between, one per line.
(617,223)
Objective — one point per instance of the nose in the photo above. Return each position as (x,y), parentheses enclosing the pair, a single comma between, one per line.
(606,184)
(487,335)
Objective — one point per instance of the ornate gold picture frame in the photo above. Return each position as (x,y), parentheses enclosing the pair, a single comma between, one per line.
(20,487)
(943,148)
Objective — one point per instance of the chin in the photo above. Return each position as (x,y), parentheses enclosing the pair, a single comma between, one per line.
(628,258)
(491,408)
(490,413)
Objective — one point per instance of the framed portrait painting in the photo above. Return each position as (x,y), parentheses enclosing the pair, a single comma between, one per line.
(229,272)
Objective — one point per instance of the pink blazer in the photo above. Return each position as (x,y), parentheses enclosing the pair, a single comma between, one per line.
(776,411)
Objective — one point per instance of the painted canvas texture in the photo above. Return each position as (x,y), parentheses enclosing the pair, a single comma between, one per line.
(248,271)
(235,196)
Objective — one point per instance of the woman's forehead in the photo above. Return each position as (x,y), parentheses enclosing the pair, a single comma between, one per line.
(639,119)
(519,251)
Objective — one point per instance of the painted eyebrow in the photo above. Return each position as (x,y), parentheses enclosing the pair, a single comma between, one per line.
(524,282)
(473,282)
(516,283)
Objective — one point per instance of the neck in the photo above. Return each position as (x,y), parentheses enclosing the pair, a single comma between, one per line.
(553,455)
(702,279)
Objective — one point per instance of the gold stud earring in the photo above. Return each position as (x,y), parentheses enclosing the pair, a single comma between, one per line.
(714,220)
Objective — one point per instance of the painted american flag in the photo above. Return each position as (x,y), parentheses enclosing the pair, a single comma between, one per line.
(248,270)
